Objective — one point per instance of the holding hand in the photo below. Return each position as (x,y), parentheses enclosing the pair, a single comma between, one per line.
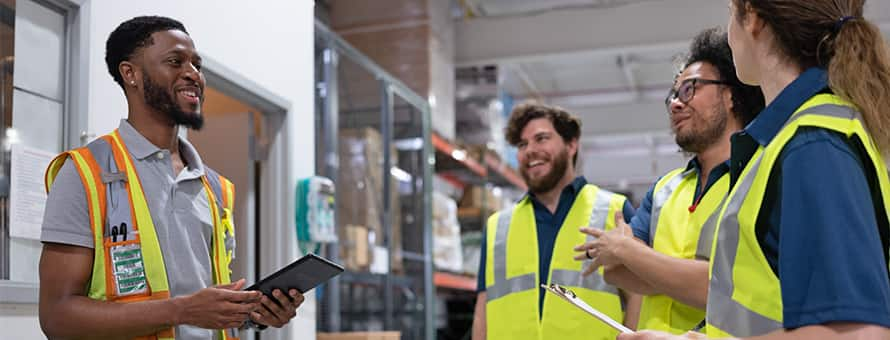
(606,249)
(277,314)
(217,307)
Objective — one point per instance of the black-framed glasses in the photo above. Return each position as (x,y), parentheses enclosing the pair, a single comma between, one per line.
(686,91)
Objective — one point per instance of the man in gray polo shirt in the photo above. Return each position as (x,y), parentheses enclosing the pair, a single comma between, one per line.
(155,62)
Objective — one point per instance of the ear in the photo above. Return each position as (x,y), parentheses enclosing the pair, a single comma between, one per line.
(573,148)
(734,123)
(727,98)
(753,23)
(129,74)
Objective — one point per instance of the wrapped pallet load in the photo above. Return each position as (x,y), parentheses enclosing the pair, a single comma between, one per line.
(447,254)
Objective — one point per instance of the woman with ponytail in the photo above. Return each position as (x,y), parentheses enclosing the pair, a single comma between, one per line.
(802,241)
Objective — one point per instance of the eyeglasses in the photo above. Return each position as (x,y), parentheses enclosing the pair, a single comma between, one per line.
(686,91)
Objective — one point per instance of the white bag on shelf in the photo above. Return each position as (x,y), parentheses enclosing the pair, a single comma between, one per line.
(447,254)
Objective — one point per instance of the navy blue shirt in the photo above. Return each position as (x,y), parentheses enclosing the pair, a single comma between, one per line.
(548,225)
(643,217)
(818,226)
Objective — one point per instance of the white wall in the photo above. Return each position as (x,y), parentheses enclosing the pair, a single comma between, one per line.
(266,41)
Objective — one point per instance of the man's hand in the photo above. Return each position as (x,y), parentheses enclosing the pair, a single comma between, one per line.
(277,314)
(653,335)
(218,307)
(606,249)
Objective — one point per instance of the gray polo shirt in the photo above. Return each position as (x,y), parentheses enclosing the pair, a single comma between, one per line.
(179,208)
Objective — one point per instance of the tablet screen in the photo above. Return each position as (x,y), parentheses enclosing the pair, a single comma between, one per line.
(303,275)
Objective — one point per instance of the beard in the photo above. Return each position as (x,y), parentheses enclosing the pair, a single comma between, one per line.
(160,100)
(549,180)
(699,137)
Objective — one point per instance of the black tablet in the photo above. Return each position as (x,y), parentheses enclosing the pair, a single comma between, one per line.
(303,274)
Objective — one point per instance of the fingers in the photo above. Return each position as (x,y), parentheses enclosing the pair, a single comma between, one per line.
(584,246)
(280,313)
(619,218)
(245,297)
(586,255)
(592,267)
(589,269)
(595,232)
(237,285)
(297,298)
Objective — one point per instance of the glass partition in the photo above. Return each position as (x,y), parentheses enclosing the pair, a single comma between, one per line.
(373,142)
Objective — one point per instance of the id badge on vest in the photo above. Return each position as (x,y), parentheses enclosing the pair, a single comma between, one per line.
(129,270)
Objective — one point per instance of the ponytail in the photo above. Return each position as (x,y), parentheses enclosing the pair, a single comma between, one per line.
(859,72)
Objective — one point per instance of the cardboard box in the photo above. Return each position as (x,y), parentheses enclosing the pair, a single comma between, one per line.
(360,192)
(360,336)
(355,250)
(473,198)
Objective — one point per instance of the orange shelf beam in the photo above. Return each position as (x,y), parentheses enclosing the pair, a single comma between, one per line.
(454,281)
(447,148)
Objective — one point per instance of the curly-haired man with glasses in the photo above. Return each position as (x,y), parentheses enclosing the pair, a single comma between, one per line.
(665,257)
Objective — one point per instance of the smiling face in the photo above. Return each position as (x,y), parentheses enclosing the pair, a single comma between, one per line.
(543,155)
(172,81)
(702,121)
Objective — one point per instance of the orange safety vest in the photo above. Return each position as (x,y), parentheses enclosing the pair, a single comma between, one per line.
(130,270)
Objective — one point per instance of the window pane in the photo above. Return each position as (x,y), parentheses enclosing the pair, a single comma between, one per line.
(40,36)
(7,43)
(33,120)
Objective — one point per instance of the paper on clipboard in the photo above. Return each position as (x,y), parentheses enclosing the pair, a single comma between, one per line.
(569,296)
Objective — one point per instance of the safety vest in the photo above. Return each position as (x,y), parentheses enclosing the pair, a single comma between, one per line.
(132,268)
(680,231)
(511,273)
(745,297)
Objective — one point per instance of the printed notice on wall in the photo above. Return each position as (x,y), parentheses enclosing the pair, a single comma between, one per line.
(27,196)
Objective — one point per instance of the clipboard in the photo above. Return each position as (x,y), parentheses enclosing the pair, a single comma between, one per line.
(570,297)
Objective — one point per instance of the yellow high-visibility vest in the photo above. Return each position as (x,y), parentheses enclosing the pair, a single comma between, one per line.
(680,231)
(511,273)
(108,156)
(745,297)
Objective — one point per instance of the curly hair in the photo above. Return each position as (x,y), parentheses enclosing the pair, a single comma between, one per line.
(132,35)
(712,46)
(567,125)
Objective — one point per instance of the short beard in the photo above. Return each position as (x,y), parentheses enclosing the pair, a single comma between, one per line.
(551,179)
(160,100)
(698,141)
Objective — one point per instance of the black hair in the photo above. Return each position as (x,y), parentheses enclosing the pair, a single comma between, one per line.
(132,35)
(712,46)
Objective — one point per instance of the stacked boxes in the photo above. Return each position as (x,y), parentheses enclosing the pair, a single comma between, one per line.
(360,199)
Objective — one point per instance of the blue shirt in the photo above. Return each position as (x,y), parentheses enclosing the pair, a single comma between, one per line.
(548,225)
(643,217)
(817,225)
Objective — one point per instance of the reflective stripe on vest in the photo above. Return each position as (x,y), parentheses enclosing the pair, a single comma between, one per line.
(503,286)
(512,291)
(679,232)
(116,197)
(660,197)
(708,230)
(756,308)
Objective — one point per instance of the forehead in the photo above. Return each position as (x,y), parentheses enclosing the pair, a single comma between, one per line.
(536,126)
(698,69)
(169,41)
